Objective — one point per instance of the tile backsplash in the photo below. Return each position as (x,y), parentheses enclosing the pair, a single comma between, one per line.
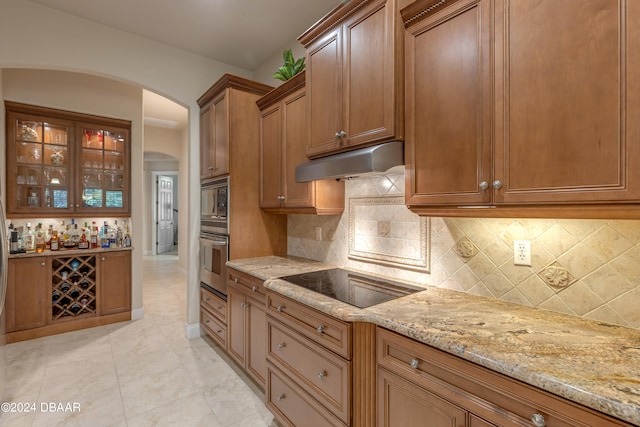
(587,268)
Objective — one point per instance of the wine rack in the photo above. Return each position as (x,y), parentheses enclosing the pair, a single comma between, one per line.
(73,287)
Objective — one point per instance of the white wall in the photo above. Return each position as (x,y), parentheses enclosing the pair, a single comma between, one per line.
(38,37)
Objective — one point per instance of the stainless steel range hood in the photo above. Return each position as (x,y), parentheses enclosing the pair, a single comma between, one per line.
(365,161)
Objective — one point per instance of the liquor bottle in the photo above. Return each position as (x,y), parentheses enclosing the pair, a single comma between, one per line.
(47,198)
(29,239)
(65,235)
(119,235)
(55,242)
(74,234)
(104,236)
(127,235)
(48,237)
(94,235)
(40,239)
(84,239)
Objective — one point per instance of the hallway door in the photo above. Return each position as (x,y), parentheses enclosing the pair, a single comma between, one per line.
(164,214)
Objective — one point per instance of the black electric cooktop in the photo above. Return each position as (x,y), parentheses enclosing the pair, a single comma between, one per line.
(354,288)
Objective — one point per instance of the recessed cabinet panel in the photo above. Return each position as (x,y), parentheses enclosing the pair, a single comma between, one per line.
(448,106)
(563,74)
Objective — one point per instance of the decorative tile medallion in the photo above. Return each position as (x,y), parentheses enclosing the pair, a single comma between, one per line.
(556,276)
(383,231)
(465,248)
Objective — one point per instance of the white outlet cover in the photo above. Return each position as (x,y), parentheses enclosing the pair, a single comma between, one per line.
(522,252)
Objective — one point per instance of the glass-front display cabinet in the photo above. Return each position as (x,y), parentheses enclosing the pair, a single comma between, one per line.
(60,162)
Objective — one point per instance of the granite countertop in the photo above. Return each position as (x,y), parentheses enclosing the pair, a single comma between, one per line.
(588,362)
(67,252)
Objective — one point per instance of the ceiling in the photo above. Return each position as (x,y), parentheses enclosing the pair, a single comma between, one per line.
(241,33)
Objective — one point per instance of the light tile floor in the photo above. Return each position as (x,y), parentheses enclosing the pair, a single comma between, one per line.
(139,373)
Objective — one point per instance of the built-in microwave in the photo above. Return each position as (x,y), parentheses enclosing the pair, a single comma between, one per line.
(214,205)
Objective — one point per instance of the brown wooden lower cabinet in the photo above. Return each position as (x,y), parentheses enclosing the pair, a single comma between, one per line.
(213,317)
(66,291)
(246,327)
(417,382)
(27,293)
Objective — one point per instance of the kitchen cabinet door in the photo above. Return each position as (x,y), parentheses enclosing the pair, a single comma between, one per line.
(27,296)
(354,77)
(402,403)
(448,146)
(247,328)
(214,137)
(565,98)
(65,163)
(283,126)
(115,282)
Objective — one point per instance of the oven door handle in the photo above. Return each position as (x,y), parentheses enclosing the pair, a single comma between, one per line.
(214,242)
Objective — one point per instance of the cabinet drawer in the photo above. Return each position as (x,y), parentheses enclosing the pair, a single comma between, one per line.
(323,374)
(246,281)
(214,304)
(492,396)
(324,330)
(292,405)
(213,327)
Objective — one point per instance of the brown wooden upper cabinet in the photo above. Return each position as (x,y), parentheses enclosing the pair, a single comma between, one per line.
(525,106)
(283,127)
(354,77)
(218,106)
(61,162)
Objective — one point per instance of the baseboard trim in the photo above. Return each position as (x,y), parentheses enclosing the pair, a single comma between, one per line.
(192,331)
(137,313)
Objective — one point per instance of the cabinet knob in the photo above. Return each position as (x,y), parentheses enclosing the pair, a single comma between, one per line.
(206,299)
(206,321)
(280,197)
(103,259)
(320,329)
(42,264)
(538,420)
(77,205)
(219,331)
(281,396)
(254,289)
(414,363)
(322,374)
(280,308)
(484,185)
(235,279)
(281,345)
(220,308)
(342,134)
(210,168)
(244,305)
(497,184)
(337,135)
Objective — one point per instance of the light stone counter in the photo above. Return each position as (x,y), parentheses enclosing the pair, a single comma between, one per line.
(591,363)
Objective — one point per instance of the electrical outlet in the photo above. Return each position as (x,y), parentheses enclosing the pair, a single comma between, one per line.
(318,233)
(522,252)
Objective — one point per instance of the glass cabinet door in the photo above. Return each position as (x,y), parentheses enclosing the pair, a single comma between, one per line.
(41,179)
(104,157)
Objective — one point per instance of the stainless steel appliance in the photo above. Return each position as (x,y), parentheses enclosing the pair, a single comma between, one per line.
(214,237)
(214,205)
(354,288)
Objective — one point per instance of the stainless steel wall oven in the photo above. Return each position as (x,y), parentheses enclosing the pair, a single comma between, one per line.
(214,237)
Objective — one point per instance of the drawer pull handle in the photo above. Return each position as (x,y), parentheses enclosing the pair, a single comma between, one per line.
(414,363)
(206,321)
(320,329)
(219,331)
(42,264)
(281,396)
(281,346)
(206,299)
(219,308)
(538,420)
(280,308)
(254,289)
(322,374)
